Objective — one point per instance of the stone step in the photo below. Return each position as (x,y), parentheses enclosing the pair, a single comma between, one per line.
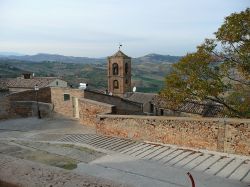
(188,159)
(219,165)
(171,156)
(178,158)
(163,154)
(197,161)
(207,163)
(230,168)
(157,152)
(241,171)
(142,151)
(149,152)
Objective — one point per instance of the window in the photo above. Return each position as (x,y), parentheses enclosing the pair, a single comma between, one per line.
(126,81)
(115,69)
(57,83)
(116,84)
(126,68)
(66,97)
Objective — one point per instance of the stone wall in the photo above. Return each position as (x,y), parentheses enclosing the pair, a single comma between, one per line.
(89,109)
(30,108)
(4,107)
(62,106)
(217,134)
(122,106)
(43,95)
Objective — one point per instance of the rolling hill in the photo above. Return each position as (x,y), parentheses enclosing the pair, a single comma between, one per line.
(148,72)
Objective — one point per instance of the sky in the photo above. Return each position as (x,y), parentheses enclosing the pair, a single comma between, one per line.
(94,28)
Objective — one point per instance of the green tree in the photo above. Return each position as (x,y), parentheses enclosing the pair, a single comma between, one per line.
(218,71)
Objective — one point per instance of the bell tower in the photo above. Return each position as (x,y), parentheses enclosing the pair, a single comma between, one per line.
(119,73)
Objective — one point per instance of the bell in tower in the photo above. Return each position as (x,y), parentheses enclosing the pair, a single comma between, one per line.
(119,74)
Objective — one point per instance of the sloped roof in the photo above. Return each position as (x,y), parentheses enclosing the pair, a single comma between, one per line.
(119,54)
(140,97)
(205,108)
(29,83)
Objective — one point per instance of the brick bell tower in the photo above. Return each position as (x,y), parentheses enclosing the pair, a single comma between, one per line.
(119,74)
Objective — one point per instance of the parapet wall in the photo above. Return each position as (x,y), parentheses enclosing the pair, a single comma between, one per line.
(4,108)
(43,95)
(30,108)
(217,134)
(122,106)
(88,110)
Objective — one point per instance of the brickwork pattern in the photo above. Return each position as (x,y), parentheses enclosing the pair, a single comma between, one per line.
(89,109)
(230,136)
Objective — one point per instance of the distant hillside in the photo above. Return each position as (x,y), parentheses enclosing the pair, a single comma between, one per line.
(55,58)
(146,76)
(41,57)
(148,71)
(157,58)
(3,53)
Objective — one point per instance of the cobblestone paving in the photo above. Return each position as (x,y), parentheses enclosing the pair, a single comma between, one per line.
(223,165)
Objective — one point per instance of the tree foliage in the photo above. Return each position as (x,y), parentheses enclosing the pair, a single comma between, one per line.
(218,71)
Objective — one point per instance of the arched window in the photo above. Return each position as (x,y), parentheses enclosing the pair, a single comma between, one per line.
(115,69)
(116,84)
(126,68)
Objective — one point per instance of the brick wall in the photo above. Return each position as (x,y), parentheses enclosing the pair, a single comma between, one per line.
(43,95)
(89,109)
(122,106)
(217,134)
(60,105)
(29,108)
(4,107)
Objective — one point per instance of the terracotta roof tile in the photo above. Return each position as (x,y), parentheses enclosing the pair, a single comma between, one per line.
(140,97)
(120,54)
(205,108)
(28,83)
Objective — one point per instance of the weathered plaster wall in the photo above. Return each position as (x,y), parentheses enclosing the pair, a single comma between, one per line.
(60,105)
(4,107)
(30,108)
(224,135)
(43,95)
(23,104)
(89,109)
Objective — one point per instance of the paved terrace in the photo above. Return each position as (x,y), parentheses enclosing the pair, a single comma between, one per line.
(124,160)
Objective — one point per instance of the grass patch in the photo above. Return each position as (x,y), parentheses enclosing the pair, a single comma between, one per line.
(46,158)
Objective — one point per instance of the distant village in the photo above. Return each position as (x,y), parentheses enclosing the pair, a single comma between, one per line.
(119,86)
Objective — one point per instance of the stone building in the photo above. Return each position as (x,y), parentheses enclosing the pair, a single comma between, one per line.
(161,107)
(27,82)
(119,74)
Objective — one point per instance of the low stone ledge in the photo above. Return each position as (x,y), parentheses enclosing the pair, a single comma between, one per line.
(221,120)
